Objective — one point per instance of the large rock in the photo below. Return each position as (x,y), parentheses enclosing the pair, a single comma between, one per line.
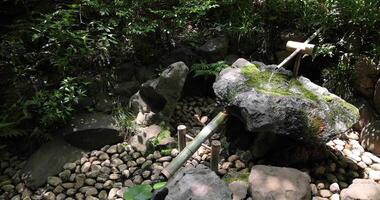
(284,106)
(361,189)
(366,74)
(367,114)
(370,137)
(198,183)
(268,182)
(156,99)
(92,131)
(47,161)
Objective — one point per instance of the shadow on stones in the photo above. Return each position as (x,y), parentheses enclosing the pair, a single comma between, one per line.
(155,101)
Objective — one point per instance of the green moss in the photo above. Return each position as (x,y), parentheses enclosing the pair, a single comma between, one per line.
(327,98)
(166,152)
(237,176)
(350,107)
(280,84)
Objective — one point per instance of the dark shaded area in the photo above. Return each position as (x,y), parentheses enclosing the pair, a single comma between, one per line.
(155,101)
(93,138)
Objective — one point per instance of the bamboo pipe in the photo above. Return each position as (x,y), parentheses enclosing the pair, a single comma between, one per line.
(189,150)
(203,145)
(291,56)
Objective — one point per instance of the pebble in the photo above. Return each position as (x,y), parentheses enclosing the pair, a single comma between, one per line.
(335,197)
(374,175)
(334,188)
(325,193)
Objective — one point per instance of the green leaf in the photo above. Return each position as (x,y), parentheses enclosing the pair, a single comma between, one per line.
(138,192)
(159,185)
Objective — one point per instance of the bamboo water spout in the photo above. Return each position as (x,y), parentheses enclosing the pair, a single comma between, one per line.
(189,150)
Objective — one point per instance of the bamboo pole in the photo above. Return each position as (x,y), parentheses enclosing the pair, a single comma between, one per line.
(215,150)
(291,56)
(181,132)
(189,150)
(203,144)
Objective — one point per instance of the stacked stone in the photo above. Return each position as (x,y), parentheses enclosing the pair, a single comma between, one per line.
(10,170)
(194,111)
(353,163)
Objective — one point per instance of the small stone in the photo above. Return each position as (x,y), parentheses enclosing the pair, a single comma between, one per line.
(156,155)
(137,179)
(49,196)
(239,165)
(67,185)
(362,165)
(131,163)
(226,165)
(61,196)
(321,186)
(375,166)
(140,160)
(89,191)
(339,142)
(146,174)
(116,162)
(65,175)
(112,149)
(108,184)
(335,197)
(8,188)
(353,136)
(339,147)
(164,159)
(314,189)
(334,188)
(146,164)
(102,195)
(174,152)
(320,170)
(103,156)
(114,176)
(90,181)
(53,180)
(71,192)
(347,152)
(374,175)
(325,193)
(112,193)
(58,189)
(136,155)
(85,167)
(367,160)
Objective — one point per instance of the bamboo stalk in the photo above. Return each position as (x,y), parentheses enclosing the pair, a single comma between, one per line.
(189,150)
(215,150)
(181,132)
(291,56)
(203,145)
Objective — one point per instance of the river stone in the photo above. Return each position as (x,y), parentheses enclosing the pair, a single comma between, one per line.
(157,99)
(370,137)
(290,107)
(361,189)
(92,131)
(199,183)
(49,160)
(268,182)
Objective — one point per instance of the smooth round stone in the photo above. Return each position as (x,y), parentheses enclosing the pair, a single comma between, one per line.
(354,158)
(325,193)
(314,189)
(339,147)
(356,152)
(330,143)
(362,165)
(321,186)
(339,142)
(335,197)
(332,167)
(334,188)
(367,160)
(174,153)
(375,166)
(140,160)
(69,166)
(353,136)
(374,175)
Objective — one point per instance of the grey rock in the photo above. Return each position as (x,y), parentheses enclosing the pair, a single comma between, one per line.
(156,99)
(69,166)
(48,161)
(215,49)
(366,74)
(285,183)
(65,175)
(198,183)
(286,106)
(92,130)
(239,189)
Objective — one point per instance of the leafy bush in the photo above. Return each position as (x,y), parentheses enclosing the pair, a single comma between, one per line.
(213,69)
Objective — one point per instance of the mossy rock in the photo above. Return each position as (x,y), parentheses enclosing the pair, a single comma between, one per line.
(270,100)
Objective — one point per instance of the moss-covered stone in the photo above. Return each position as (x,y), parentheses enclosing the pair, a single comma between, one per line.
(274,83)
(237,176)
